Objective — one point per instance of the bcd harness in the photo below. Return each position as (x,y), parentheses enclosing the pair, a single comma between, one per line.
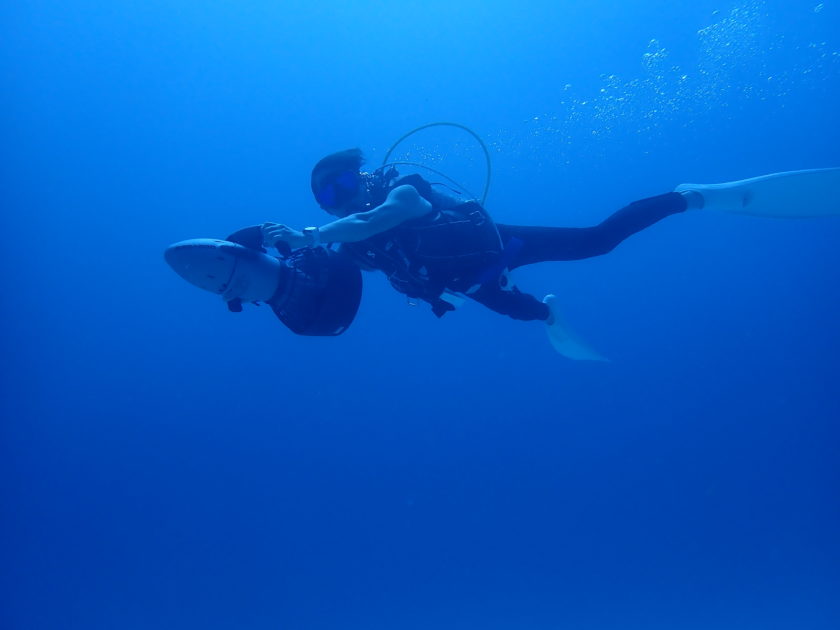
(452,250)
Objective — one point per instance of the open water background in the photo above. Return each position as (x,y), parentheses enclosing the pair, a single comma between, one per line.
(167,464)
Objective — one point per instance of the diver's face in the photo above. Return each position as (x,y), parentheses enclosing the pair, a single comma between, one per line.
(357,203)
(342,193)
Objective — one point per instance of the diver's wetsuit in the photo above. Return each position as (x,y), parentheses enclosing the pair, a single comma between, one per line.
(526,245)
(459,248)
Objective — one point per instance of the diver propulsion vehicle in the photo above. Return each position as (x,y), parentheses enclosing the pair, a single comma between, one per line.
(313,291)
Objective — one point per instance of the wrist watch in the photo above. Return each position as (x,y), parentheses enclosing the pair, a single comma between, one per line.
(313,235)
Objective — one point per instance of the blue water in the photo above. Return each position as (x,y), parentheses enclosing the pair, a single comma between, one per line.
(168,464)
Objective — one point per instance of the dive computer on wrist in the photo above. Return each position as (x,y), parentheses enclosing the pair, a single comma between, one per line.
(313,235)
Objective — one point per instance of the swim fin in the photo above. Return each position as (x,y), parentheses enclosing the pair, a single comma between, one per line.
(564,340)
(793,195)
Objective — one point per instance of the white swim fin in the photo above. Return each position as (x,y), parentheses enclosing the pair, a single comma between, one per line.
(794,194)
(564,340)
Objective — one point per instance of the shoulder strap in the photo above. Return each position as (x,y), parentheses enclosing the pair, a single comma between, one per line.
(424,188)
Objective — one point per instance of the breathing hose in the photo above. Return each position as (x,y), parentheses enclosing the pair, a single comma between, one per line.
(478,139)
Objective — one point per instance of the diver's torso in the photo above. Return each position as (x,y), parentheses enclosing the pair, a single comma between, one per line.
(445,249)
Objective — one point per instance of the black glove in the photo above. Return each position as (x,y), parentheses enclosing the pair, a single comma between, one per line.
(235,305)
(442,307)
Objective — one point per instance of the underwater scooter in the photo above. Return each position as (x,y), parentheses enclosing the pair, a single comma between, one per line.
(313,291)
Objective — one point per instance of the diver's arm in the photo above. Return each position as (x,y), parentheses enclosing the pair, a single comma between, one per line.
(403,204)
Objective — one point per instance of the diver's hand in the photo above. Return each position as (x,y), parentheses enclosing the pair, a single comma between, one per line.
(274,233)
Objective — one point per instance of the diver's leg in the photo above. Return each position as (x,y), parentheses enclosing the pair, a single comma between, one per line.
(542,244)
(511,302)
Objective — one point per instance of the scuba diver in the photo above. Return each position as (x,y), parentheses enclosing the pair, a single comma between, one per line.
(443,249)
(438,249)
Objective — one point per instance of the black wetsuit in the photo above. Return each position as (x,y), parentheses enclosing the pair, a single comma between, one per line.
(481,278)
(544,244)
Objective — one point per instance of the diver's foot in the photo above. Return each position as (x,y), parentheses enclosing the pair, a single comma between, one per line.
(693,199)
(726,197)
(548,300)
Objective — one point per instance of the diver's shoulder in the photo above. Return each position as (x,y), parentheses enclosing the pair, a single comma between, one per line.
(404,192)
(408,202)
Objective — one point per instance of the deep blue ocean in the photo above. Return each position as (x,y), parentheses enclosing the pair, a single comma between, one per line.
(168,464)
